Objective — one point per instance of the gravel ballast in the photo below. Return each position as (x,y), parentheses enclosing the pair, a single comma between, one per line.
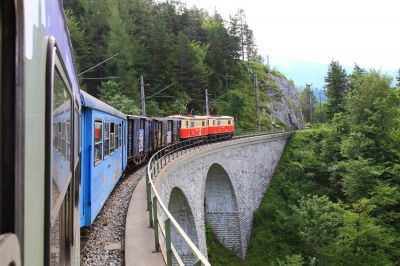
(103,242)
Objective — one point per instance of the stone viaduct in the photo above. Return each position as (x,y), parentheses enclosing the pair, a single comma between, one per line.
(220,185)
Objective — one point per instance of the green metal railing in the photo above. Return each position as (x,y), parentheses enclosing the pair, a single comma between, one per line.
(155,204)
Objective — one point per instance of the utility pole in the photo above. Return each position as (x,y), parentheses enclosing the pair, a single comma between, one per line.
(320,106)
(142,98)
(226,84)
(207,110)
(310,104)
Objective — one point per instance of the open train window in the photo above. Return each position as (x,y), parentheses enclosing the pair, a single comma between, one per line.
(98,141)
(203,123)
(106,139)
(187,124)
(112,137)
(229,122)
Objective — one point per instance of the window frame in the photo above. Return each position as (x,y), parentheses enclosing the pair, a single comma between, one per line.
(54,63)
(120,135)
(106,139)
(96,120)
(112,138)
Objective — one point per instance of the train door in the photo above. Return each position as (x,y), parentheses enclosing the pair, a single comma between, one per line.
(11,200)
(62,163)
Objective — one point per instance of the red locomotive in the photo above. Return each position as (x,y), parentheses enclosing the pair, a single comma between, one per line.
(198,126)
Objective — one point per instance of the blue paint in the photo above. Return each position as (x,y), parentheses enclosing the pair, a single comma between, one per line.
(98,180)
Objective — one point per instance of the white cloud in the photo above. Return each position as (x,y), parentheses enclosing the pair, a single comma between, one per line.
(366,32)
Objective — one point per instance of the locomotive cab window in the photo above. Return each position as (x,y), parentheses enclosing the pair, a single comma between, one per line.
(98,138)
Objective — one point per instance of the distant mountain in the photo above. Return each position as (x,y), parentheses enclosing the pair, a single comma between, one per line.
(306,72)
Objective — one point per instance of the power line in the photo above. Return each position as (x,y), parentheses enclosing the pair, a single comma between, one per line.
(102,78)
(87,70)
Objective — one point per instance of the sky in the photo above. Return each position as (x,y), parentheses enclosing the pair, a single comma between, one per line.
(362,31)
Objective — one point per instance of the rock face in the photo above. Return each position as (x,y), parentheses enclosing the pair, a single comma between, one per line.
(284,107)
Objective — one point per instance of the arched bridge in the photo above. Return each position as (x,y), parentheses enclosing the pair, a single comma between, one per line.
(219,185)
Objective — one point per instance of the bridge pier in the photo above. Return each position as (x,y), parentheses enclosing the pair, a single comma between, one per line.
(220,185)
(221,210)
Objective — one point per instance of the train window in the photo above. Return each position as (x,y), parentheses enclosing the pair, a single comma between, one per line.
(187,124)
(61,172)
(203,123)
(229,122)
(192,124)
(112,137)
(120,135)
(218,122)
(98,139)
(106,139)
(116,137)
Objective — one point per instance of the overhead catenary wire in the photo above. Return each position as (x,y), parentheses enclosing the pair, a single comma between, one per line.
(102,62)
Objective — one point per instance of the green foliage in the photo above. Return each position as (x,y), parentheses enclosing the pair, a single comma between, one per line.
(293,260)
(318,220)
(336,88)
(111,93)
(335,195)
(219,255)
(167,43)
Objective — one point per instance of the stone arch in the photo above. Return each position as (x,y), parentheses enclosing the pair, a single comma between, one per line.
(221,209)
(180,209)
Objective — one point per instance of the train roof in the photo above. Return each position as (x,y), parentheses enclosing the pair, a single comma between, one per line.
(91,102)
(138,116)
(224,117)
(189,117)
(200,117)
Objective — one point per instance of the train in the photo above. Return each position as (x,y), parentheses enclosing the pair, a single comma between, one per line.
(112,141)
(62,150)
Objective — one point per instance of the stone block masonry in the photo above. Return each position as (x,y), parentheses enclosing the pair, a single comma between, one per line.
(222,184)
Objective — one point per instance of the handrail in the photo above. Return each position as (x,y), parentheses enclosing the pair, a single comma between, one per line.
(156,163)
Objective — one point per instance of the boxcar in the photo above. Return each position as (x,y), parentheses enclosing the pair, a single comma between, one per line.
(139,138)
(176,125)
(104,154)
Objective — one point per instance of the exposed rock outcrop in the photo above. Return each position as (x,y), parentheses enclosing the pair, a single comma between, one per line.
(284,107)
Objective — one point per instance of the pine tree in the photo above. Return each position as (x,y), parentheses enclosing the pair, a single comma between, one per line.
(336,88)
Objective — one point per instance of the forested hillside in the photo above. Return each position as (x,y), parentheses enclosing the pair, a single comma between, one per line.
(168,44)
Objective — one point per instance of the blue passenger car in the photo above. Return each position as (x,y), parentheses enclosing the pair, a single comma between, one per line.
(104,154)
